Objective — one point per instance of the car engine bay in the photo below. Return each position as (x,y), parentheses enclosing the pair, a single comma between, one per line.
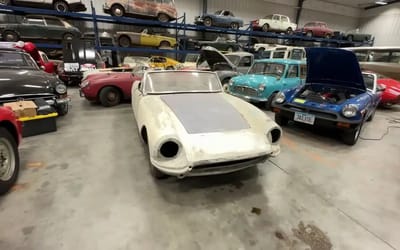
(329,95)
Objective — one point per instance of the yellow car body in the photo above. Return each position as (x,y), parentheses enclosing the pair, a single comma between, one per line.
(127,39)
(162,62)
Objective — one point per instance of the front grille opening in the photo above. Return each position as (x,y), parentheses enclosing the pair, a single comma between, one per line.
(228,163)
(169,149)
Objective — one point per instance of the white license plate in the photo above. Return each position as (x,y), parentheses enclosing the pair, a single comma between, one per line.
(304,118)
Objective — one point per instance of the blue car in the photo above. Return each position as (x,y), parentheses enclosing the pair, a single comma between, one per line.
(336,94)
(266,78)
(221,18)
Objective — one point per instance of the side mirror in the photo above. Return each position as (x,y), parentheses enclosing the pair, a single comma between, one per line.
(138,84)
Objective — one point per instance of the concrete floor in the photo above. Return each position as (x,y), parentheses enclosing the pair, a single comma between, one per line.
(87,186)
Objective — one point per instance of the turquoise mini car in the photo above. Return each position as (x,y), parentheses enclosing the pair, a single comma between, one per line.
(266,78)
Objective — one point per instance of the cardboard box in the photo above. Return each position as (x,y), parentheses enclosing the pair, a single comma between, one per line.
(22,108)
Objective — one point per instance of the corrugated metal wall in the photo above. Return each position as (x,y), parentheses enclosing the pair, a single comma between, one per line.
(384,24)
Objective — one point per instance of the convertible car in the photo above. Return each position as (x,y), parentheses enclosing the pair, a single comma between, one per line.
(266,78)
(221,18)
(127,39)
(192,128)
(336,94)
(10,137)
(108,88)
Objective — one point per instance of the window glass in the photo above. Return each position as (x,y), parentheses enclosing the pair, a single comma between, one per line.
(266,54)
(16,60)
(276,18)
(380,56)
(235,59)
(303,71)
(272,69)
(297,54)
(36,21)
(369,81)
(285,19)
(293,71)
(245,61)
(309,25)
(279,54)
(395,58)
(55,22)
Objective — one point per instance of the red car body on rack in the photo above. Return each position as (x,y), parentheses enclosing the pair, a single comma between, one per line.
(109,88)
(391,95)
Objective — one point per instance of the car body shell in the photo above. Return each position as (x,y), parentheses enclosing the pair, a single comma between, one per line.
(143,8)
(333,69)
(391,94)
(275,22)
(162,62)
(206,151)
(39,27)
(221,18)
(316,29)
(9,121)
(95,82)
(73,5)
(356,36)
(248,86)
(222,44)
(145,39)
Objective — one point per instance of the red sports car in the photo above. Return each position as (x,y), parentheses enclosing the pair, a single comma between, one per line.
(108,88)
(391,95)
(10,137)
(316,29)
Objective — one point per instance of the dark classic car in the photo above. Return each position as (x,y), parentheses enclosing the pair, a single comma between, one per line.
(222,44)
(58,5)
(335,95)
(39,27)
(23,79)
(221,18)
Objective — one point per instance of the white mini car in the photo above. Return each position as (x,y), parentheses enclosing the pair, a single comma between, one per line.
(193,128)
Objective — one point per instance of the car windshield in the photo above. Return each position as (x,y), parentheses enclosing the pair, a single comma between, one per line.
(192,58)
(17,60)
(263,68)
(369,80)
(167,82)
(235,59)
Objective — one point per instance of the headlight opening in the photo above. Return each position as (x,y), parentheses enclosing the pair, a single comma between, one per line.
(169,149)
(274,135)
(61,89)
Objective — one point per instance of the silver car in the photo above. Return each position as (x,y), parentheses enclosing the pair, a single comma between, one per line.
(58,5)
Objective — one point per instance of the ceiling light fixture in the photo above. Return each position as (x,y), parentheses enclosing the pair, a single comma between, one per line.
(381,2)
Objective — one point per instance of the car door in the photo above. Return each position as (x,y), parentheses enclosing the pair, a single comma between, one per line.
(292,77)
(55,28)
(152,7)
(33,27)
(275,22)
(284,24)
(147,39)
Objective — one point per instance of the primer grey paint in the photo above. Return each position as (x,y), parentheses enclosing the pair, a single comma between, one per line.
(205,113)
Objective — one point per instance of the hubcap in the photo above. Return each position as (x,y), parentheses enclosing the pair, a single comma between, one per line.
(7,160)
(60,8)
(111,96)
(118,12)
(10,37)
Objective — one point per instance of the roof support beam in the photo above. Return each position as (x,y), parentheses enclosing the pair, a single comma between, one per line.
(379,5)
(299,9)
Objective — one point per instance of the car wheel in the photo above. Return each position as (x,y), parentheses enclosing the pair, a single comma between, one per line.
(117,10)
(163,18)
(109,96)
(269,102)
(208,22)
(225,84)
(350,38)
(68,36)
(289,31)
(328,36)
(63,110)
(61,6)
(124,41)
(351,137)
(234,26)
(9,161)
(169,68)
(165,44)
(265,27)
(280,120)
(10,36)
(309,33)
(387,105)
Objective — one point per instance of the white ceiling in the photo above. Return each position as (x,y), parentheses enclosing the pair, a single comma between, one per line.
(352,3)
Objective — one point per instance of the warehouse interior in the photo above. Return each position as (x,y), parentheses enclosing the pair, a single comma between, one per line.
(88,177)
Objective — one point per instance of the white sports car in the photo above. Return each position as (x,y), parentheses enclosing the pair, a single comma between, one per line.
(193,128)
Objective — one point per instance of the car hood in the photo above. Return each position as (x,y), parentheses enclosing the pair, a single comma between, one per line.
(334,67)
(19,83)
(107,76)
(213,56)
(254,80)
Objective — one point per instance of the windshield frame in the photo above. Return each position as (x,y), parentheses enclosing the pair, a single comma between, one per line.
(145,78)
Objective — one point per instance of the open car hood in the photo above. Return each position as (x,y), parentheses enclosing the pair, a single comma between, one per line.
(213,57)
(334,67)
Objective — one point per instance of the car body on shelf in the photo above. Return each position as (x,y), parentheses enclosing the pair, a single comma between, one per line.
(336,94)
(23,79)
(163,11)
(316,29)
(242,60)
(133,61)
(192,128)
(127,39)
(279,51)
(108,88)
(162,62)
(391,94)
(222,44)
(221,18)
(39,27)
(275,22)
(266,78)
(58,5)
(10,138)
(356,36)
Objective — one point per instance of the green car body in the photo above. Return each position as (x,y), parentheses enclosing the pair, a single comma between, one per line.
(39,27)
(266,77)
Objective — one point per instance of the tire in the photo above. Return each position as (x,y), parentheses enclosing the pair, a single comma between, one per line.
(61,6)
(68,36)
(269,102)
(117,10)
(350,38)
(124,41)
(309,34)
(289,31)
(208,22)
(165,44)
(10,36)
(280,120)
(234,26)
(169,68)
(265,27)
(328,36)
(9,161)
(387,105)
(351,137)
(63,110)
(110,96)
(225,84)
(164,18)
